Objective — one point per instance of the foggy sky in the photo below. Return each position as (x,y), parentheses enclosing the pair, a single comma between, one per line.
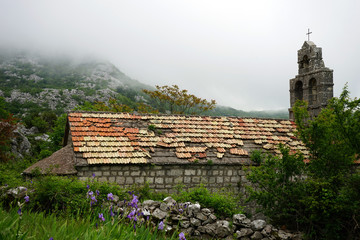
(240,53)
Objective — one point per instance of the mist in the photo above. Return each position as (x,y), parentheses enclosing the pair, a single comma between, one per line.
(240,53)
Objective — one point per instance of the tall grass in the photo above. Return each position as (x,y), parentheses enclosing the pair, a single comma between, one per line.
(40,226)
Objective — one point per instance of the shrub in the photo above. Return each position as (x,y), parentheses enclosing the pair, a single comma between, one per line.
(223,203)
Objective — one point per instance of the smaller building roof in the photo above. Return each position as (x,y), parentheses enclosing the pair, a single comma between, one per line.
(60,162)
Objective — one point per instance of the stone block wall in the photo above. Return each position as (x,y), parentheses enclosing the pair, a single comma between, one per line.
(166,178)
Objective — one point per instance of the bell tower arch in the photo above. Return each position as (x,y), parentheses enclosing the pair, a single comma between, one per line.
(314,82)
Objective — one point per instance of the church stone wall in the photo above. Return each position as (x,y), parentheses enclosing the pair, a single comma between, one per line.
(166,178)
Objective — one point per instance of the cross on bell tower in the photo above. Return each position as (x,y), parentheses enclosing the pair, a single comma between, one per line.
(308,33)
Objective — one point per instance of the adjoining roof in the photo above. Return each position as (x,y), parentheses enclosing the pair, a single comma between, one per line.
(121,138)
(60,162)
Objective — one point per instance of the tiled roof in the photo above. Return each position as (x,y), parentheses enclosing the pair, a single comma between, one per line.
(120,138)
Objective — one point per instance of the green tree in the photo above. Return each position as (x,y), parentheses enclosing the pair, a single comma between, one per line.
(178,101)
(322,197)
(58,131)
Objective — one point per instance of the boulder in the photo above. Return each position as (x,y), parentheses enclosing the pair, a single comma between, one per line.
(244,232)
(257,225)
(222,229)
(158,214)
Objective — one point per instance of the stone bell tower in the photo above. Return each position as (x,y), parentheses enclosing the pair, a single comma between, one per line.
(314,82)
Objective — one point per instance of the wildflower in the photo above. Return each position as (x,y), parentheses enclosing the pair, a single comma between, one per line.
(101,216)
(134,226)
(180,210)
(87,186)
(93,175)
(131,214)
(161,225)
(182,236)
(93,200)
(51,238)
(134,201)
(110,196)
(27,198)
(90,193)
(97,192)
(19,212)
(111,213)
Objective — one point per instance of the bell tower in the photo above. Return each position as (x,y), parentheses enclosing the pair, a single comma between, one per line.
(314,82)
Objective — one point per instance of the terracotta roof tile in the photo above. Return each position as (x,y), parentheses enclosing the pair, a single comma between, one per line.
(112,138)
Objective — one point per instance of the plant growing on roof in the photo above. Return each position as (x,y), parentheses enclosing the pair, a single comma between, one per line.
(177,101)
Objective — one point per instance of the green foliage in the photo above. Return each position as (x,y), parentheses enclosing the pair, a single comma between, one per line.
(322,197)
(225,204)
(68,195)
(58,131)
(11,172)
(279,180)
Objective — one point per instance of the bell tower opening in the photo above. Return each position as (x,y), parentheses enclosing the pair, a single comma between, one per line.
(304,62)
(299,90)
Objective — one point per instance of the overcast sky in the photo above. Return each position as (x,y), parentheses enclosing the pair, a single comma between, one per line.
(240,53)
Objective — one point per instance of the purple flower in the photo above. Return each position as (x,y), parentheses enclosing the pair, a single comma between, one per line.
(19,212)
(87,186)
(134,201)
(110,196)
(180,210)
(131,215)
(97,192)
(101,216)
(111,213)
(51,238)
(90,193)
(93,175)
(161,225)
(182,236)
(27,198)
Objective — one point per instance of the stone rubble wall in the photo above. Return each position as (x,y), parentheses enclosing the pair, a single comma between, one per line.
(201,223)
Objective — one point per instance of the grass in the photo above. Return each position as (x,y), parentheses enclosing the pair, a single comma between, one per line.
(41,226)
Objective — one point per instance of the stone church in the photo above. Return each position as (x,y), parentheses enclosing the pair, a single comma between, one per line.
(314,82)
(167,150)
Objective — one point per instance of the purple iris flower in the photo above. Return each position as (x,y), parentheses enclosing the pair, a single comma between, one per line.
(110,196)
(90,193)
(180,210)
(97,192)
(134,201)
(51,238)
(19,212)
(27,198)
(111,213)
(101,216)
(182,236)
(161,225)
(93,175)
(87,186)
(131,214)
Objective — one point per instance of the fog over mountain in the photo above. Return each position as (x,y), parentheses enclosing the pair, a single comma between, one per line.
(242,54)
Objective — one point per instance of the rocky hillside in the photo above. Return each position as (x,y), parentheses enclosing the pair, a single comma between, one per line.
(59,84)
